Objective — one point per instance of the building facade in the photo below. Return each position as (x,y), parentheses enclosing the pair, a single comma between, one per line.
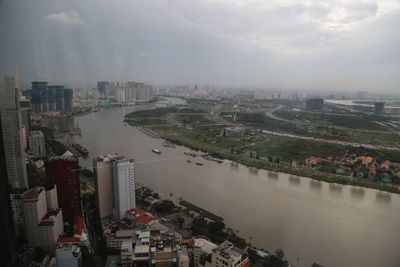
(42,226)
(37,144)
(11,132)
(123,187)
(102,166)
(64,173)
(8,243)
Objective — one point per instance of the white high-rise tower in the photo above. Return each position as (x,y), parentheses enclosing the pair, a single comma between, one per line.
(123,187)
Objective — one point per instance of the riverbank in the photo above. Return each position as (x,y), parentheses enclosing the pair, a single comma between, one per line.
(259,164)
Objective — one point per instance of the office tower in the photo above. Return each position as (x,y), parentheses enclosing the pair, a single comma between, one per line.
(139,91)
(11,131)
(8,244)
(59,91)
(25,110)
(379,107)
(103,88)
(123,187)
(42,226)
(68,256)
(102,166)
(37,144)
(68,96)
(64,173)
(17,208)
(52,97)
(314,104)
(39,96)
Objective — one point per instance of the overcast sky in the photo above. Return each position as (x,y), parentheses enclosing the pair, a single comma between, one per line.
(316,44)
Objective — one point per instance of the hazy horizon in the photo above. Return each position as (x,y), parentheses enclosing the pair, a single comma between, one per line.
(341,45)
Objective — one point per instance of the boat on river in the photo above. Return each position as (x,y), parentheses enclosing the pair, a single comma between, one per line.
(156,151)
(199,163)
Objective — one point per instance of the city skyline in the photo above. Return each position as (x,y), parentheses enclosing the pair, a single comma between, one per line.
(244,44)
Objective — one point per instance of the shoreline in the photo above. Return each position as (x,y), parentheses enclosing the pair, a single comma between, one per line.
(258,164)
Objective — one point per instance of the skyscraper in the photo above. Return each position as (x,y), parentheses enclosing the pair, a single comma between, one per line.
(59,91)
(103,88)
(37,144)
(123,187)
(11,130)
(8,244)
(104,183)
(39,96)
(64,173)
(68,96)
(42,225)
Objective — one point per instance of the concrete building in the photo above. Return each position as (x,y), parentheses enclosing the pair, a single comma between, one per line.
(68,256)
(37,144)
(379,107)
(123,187)
(138,91)
(200,250)
(59,91)
(228,255)
(39,96)
(17,210)
(42,226)
(315,104)
(68,98)
(10,118)
(8,244)
(102,166)
(232,132)
(103,88)
(64,172)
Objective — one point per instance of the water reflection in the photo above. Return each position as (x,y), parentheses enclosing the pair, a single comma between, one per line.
(295,180)
(273,175)
(383,197)
(315,184)
(253,171)
(234,166)
(357,192)
(335,188)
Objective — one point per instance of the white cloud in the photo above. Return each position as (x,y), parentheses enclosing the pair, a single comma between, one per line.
(289,26)
(68,18)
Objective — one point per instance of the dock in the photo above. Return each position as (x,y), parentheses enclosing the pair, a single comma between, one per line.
(201,211)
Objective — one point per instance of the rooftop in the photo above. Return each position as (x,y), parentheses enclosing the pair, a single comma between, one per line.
(49,218)
(33,193)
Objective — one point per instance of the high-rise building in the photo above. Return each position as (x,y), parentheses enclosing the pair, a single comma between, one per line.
(42,226)
(8,244)
(17,208)
(68,97)
(103,88)
(59,91)
(25,108)
(39,96)
(102,166)
(37,144)
(52,97)
(379,107)
(123,187)
(314,104)
(68,256)
(11,131)
(64,173)
(138,91)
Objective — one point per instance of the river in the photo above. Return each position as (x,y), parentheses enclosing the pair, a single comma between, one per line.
(333,225)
